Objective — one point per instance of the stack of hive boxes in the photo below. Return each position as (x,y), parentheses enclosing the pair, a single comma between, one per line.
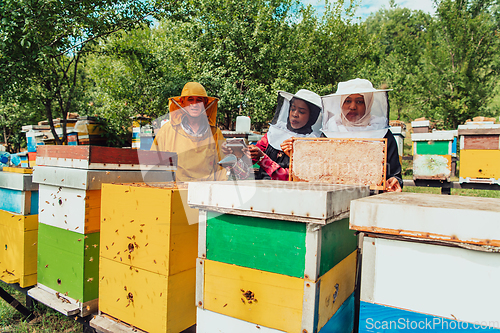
(432,154)
(70,179)
(275,256)
(147,259)
(425,266)
(479,152)
(18,226)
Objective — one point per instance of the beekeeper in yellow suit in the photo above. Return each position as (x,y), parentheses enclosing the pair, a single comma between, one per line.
(193,135)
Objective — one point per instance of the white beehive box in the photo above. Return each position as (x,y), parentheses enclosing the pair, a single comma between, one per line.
(428,257)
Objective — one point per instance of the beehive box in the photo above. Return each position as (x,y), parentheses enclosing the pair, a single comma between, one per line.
(68,267)
(148,257)
(18,241)
(277,255)
(18,193)
(18,227)
(420,126)
(479,153)
(435,143)
(421,254)
(69,209)
(432,167)
(399,135)
(432,154)
(330,160)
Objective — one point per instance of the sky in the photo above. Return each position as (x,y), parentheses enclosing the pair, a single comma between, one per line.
(371,6)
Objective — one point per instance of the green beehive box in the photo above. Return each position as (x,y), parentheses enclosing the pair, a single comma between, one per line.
(278,255)
(435,143)
(273,245)
(68,266)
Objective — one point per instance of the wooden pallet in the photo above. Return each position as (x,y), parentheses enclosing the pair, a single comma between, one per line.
(62,303)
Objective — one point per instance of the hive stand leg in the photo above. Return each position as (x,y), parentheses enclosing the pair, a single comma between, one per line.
(85,321)
(16,305)
(446,190)
(30,303)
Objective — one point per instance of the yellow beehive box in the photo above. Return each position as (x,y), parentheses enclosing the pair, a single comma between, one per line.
(276,301)
(480,164)
(148,256)
(479,152)
(19,248)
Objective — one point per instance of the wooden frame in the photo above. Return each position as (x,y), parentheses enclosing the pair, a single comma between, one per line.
(380,185)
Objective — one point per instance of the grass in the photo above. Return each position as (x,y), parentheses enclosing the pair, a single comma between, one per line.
(46,320)
(454,191)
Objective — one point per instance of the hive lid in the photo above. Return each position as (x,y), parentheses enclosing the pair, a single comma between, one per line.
(479,129)
(105,158)
(291,201)
(430,216)
(420,123)
(434,136)
(17,181)
(92,179)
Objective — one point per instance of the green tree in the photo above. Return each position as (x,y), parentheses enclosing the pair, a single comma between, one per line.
(329,49)
(43,43)
(236,51)
(399,38)
(13,115)
(135,73)
(461,61)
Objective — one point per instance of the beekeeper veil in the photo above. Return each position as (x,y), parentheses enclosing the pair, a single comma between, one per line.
(338,123)
(282,127)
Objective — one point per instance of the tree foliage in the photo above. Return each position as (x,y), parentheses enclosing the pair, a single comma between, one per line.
(399,35)
(461,64)
(43,42)
(105,58)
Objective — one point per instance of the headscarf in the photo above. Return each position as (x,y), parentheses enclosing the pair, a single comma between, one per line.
(373,124)
(363,121)
(280,129)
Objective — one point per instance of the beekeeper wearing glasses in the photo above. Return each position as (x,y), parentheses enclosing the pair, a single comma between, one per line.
(192,134)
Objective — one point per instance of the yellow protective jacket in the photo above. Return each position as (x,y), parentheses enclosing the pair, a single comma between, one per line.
(197,156)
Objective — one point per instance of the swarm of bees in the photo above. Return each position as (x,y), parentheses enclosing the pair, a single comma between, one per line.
(63,299)
(249,296)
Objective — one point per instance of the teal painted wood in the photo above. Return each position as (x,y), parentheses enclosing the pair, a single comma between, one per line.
(68,262)
(337,242)
(435,148)
(343,320)
(13,201)
(34,202)
(269,245)
(379,318)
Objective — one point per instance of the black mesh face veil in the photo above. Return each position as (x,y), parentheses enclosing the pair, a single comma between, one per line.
(279,105)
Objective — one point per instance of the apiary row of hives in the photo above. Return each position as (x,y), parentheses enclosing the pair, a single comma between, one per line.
(434,153)
(264,256)
(18,227)
(69,180)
